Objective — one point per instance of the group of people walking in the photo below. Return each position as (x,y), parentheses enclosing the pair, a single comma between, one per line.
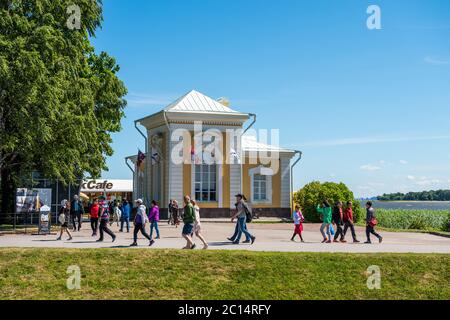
(100,219)
(336,220)
(341,218)
(191,220)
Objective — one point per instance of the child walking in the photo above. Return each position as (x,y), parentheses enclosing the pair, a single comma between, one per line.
(298,222)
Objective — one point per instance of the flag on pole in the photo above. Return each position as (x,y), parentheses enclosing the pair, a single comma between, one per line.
(140,160)
(235,155)
(155,158)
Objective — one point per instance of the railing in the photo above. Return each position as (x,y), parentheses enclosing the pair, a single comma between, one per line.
(21,222)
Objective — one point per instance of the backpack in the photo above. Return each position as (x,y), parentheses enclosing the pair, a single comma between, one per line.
(248,213)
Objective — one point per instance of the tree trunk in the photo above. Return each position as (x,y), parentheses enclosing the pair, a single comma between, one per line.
(8,192)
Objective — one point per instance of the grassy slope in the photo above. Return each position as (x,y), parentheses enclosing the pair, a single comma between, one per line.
(176,274)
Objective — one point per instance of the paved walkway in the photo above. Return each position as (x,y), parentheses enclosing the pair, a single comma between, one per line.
(269,237)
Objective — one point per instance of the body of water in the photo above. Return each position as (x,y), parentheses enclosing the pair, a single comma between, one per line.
(411,205)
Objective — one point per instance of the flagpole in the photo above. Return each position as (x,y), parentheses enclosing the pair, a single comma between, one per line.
(243,152)
(146,154)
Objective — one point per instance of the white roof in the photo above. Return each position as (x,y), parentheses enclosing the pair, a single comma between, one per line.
(111,185)
(250,143)
(195,101)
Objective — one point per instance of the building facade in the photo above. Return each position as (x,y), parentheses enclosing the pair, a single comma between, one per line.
(201,147)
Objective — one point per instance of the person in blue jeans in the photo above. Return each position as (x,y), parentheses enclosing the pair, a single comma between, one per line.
(236,232)
(153,216)
(125,208)
(242,218)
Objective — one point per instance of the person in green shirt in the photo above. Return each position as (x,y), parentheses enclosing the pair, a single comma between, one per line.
(325,214)
(188,220)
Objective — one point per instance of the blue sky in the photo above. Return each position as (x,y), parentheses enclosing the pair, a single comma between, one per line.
(370,108)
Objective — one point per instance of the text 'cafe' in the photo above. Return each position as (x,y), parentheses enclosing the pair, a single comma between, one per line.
(112,189)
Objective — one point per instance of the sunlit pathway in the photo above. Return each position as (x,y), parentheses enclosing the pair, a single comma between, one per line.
(269,237)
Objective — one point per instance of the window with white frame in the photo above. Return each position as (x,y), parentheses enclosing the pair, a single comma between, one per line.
(205,182)
(259,188)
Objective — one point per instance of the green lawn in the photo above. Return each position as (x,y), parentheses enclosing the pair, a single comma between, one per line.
(177,274)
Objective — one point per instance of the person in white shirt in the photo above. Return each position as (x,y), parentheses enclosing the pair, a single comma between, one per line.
(197,225)
(298,223)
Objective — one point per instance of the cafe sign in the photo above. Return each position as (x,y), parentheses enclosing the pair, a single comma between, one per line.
(94,185)
(107,185)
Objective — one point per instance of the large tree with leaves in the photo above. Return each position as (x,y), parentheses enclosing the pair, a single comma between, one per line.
(59,100)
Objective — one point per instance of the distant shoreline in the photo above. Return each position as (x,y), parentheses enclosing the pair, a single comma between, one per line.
(424,201)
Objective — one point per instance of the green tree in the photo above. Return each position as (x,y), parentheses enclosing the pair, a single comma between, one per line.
(432,195)
(315,193)
(59,100)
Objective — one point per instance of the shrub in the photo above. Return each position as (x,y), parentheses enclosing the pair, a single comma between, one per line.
(315,192)
(429,220)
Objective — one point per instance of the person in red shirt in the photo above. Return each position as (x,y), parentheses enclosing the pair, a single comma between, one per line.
(94,217)
(348,221)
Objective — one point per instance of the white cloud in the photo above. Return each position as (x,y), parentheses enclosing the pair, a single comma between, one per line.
(370,140)
(425,181)
(332,175)
(404,162)
(436,61)
(428,182)
(369,167)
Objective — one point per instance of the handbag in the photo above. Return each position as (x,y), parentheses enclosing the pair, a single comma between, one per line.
(62,218)
(373,222)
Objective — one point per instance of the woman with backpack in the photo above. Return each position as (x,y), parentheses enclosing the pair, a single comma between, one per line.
(325,213)
(140,220)
(241,213)
(63,218)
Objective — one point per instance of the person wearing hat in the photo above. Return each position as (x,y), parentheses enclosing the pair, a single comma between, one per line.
(241,215)
(236,229)
(139,222)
